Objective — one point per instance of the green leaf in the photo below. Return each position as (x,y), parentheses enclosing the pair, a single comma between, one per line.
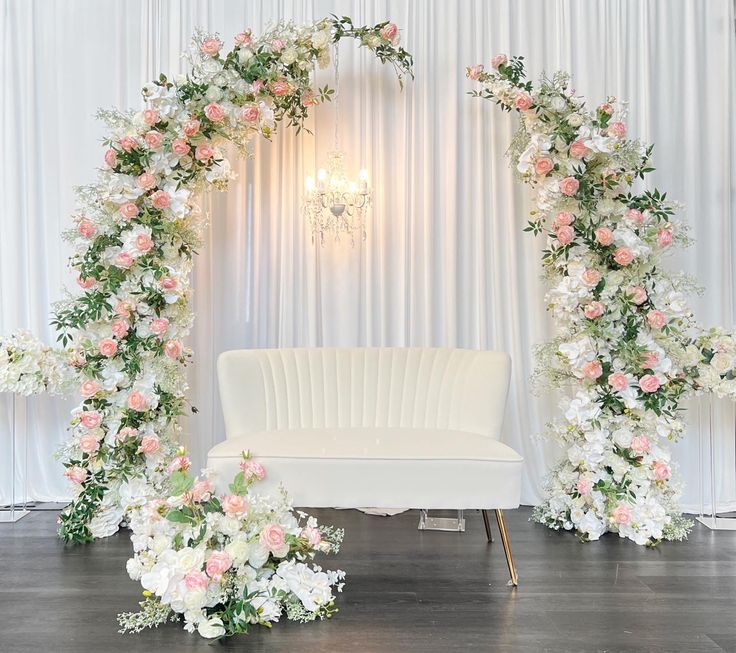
(181,482)
(179,517)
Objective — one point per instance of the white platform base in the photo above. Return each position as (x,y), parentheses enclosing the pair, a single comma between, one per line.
(718,523)
(12,516)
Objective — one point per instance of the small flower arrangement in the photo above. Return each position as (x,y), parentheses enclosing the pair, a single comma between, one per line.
(716,368)
(227,563)
(28,367)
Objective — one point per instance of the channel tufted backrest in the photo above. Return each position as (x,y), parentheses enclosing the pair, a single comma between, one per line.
(273,389)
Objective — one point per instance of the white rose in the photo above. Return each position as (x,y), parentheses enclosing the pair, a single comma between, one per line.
(722,363)
(194,598)
(320,39)
(289,55)
(558,103)
(622,437)
(160,544)
(238,550)
(230,526)
(188,559)
(574,120)
(245,55)
(211,628)
(214,93)
(257,555)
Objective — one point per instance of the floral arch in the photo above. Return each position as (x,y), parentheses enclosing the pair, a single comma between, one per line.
(134,237)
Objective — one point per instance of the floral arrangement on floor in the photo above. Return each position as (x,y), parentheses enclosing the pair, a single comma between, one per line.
(28,367)
(627,341)
(136,232)
(226,563)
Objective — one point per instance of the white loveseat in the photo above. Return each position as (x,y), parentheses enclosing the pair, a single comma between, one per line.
(392,427)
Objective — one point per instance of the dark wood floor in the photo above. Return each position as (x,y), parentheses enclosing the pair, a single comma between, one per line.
(407,591)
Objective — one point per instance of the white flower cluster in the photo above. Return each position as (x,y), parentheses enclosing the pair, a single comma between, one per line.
(226,563)
(715,358)
(28,367)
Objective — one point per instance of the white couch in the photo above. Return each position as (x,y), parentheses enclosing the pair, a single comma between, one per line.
(348,428)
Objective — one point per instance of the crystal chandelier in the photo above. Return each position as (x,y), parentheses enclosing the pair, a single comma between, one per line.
(335,205)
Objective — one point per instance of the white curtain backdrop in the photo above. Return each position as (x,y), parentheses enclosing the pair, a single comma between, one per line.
(445,261)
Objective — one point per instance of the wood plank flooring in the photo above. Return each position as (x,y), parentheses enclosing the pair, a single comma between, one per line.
(407,591)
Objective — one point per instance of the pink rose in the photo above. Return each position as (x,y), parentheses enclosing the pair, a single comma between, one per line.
(218,563)
(146,181)
(124,308)
(618,381)
(649,383)
(474,72)
(524,101)
(204,152)
(606,107)
(128,143)
(150,444)
(77,359)
(173,349)
(499,60)
(244,38)
(151,117)
(661,470)
(214,112)
(129,210)
(584,486)
(90,419)
(126,432)
(124,260)
(257,86)
(76,474)
(249,113)
(201,490)
(278,44)
(159,326)
(592,370)
(196,579)
(179,463)
(210,46)
(578,150)
(543,165)
(108,347)
(143,243)
(86,228)
(309,99)
(88,443)
(154,139)
(111,158)
(191,127)
(656,319)
(119,328)
(137,401)
(160,199)
(622,514)
(280,87)
(86,282)
(563,218)
(233,504)
(635,216)
(640,444)
(565,234)
(604,236)
(180,147)
(253,469)
(623,256)
(311,535)
(272,537)
(89,388)
(664,238)
(390,33)
(651,359)
(617,129)
(569,186)
(591,277)
(169,283)
(594,310)
(638,295)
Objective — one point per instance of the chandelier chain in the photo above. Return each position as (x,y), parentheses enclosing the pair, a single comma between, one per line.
(337,96)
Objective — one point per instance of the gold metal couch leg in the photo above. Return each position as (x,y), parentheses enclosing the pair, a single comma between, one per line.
(507,548)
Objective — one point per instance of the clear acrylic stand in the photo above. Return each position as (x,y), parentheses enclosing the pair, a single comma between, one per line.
(712,521)
(16,510)
(427,523)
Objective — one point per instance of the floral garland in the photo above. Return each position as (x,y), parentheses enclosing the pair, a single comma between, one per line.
(136,233)
(227,563)
(28,367)
(628,342)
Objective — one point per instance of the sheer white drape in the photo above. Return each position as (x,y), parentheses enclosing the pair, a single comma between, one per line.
(445,261)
